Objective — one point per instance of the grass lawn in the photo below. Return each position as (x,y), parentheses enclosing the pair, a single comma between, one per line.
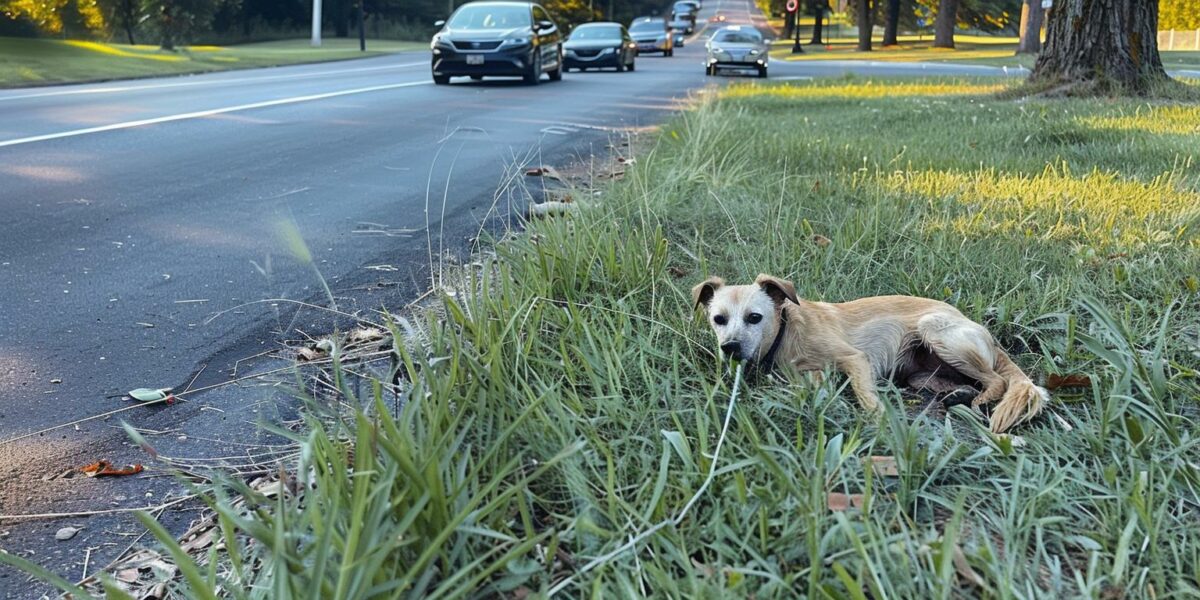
(576,400)
(25,62)
(969,49)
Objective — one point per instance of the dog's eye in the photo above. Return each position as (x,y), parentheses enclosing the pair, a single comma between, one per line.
(753,318)
(720,320)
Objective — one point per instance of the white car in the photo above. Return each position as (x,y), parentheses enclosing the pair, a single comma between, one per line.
(737,47)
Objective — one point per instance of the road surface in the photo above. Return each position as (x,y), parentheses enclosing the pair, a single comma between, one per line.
(140,239)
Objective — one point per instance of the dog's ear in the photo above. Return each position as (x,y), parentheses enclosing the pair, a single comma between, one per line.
(703,292)
(778,289)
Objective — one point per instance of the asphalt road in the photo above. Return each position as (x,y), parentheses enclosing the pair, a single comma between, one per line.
(139,241)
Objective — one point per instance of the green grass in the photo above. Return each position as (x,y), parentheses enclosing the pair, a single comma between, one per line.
(969,49)
(576,400)
(25,62)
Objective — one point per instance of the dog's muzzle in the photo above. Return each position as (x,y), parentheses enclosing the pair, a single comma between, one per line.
(732,350)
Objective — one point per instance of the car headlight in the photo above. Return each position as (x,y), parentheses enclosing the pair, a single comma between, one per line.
(512,42)
(754,53)
(607,51)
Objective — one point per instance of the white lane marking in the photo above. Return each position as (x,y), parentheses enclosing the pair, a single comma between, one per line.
(207,113)
(135,88)
(559,130)
(793,78)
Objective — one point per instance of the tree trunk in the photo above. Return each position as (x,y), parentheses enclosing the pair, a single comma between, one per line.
(789,25)
(128,18)
(1101,46)
(892,24)
(819,17)
(1031,27)
(866,22)
(943,28)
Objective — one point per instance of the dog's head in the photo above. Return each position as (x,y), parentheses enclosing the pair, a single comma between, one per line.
(744,317)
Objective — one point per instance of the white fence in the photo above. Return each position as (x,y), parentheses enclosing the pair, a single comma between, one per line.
(1179,40)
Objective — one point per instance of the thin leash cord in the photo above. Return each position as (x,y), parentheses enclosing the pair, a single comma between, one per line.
(678,518)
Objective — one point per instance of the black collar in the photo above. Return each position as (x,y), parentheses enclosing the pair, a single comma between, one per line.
(767,364)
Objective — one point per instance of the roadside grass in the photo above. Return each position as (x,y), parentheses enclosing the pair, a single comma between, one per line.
(25,62)
(573,399)
(997,51)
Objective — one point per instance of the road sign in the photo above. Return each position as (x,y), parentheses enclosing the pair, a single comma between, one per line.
(792,5)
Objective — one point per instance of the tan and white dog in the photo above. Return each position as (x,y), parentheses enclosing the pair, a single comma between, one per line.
(916,341)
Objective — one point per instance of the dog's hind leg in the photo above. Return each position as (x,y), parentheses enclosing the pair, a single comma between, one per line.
(966,347)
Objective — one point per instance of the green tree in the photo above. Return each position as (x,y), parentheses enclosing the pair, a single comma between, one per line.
(178,21)
(1179,14)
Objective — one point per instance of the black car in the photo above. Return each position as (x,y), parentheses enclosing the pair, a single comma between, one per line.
(597,45)
(483,39)
(651,34)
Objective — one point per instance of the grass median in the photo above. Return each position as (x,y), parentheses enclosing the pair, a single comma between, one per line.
(576,400)
(26,62)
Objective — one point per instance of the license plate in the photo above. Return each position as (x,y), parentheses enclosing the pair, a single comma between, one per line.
(645,46)
(474,59)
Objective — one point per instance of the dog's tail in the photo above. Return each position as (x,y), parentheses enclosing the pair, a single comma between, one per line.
(1022,399)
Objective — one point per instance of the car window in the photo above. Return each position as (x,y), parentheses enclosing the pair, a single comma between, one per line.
(606,32)
(738,37)
(646,26)
(490,16)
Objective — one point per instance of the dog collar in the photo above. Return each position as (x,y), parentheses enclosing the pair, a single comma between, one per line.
(768,362)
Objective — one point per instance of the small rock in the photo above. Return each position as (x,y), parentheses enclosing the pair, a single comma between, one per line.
(55,381)
(182,438)
(66,533)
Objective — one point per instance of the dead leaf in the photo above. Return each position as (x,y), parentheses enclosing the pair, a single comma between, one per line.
(105,469)
(128,575)
(1055,381)
(544,171)
(307,354)
(839,502)
(66,533)
(677,272)
(821,240)
(964,568)
(885,466)
(366,334)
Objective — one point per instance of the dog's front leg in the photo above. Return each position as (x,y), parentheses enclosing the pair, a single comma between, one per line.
(858,369)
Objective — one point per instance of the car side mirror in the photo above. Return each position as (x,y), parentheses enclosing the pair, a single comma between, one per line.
(439,22)
(542,25)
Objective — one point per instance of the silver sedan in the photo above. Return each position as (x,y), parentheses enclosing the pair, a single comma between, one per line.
(737,47)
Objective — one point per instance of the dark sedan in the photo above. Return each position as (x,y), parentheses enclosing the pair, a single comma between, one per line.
(599,45)
(483,39)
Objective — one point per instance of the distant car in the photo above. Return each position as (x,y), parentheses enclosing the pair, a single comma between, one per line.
(737,47)
(484,39)
(685,10)
(599,45)
(681,28)
(651,34)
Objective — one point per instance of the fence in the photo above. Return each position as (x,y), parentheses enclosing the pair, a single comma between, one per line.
(1174,39)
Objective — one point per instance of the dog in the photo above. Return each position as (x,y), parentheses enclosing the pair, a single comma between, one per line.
(916,341)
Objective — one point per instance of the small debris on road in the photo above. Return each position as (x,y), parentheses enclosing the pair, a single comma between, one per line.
(104,468)
(66,533)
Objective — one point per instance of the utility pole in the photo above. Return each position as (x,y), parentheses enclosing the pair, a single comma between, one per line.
(316,23)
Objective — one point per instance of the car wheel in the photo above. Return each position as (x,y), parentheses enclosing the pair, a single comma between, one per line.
(631,63)
(710,70)
(441,79)
(762,72)
(556,74)
(670,52)
(477,77)
(534,75)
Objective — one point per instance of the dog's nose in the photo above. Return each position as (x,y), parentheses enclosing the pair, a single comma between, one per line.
(732,350)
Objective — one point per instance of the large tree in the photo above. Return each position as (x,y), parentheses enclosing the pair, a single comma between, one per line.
(1031,28)
(865,22)
(947,20)
(1101,46)
(891,24)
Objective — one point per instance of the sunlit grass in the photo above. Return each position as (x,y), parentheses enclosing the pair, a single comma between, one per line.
(33,61)
(860,90)
(1182,120)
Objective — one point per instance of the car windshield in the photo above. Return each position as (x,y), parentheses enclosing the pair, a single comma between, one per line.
(490,16)
(685,7)
(597,32)
(646,26)
(738,37)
